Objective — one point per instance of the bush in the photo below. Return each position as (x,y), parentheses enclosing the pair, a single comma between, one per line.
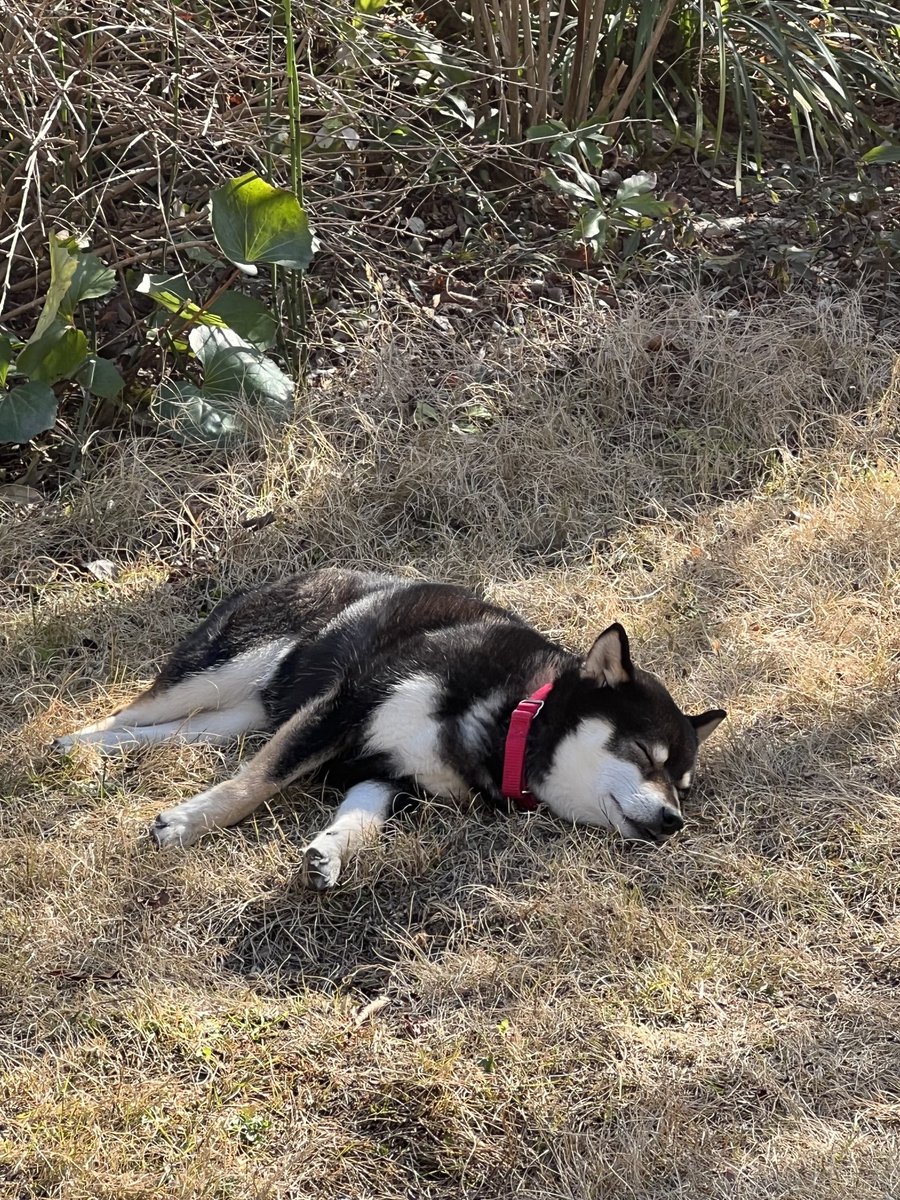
(707,71)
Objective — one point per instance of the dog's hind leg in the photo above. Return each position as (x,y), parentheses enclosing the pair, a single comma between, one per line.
(312,737)
(213,728)
(359,819)
(235,685)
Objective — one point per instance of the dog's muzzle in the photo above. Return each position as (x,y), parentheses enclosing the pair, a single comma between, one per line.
(668,821)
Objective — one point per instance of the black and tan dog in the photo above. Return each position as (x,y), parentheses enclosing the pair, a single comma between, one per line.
(403,686)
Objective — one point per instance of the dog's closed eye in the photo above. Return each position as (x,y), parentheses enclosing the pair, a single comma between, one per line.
(646,754)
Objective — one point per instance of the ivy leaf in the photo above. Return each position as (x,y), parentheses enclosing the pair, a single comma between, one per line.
(101,377)
(234,368)
(255,222)
(56,354)
(75,275)
(237,378)
(91,280)
(6,357)
(26,411)
(195,418)
(248,317)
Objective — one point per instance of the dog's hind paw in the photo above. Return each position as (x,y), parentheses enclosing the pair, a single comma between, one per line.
(321,865)
(107,745)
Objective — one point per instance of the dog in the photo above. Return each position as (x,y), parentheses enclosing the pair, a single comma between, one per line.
(408,688)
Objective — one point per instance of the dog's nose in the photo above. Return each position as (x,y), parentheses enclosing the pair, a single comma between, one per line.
(669,821)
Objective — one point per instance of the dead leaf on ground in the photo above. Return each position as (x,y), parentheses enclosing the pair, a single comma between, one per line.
(104,569)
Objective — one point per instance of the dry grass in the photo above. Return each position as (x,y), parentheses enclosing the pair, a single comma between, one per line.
(120,118)
(563,1019)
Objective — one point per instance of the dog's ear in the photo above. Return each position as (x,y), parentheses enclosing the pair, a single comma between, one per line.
(609,659)
(707,722)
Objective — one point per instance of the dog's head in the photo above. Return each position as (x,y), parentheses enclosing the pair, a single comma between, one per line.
(612,748)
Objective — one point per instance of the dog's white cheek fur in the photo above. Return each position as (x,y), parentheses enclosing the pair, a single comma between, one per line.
(589,785)
(404,727)
(639,800)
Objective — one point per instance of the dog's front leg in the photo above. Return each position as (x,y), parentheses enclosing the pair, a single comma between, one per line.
(299,747)
(359,819)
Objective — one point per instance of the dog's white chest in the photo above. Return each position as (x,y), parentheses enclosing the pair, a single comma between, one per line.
(405,727)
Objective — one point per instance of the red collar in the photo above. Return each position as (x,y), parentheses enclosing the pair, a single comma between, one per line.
(513,785)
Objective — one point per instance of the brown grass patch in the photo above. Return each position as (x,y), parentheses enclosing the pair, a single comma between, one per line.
(563,1018)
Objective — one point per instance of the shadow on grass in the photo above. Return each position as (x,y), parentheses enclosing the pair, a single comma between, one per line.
(492,937)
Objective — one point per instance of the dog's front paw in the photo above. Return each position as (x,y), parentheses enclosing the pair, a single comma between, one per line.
(321,864)
(174,829)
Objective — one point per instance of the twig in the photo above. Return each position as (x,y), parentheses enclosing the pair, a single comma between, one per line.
(116,265)
(29,173)
(44,275)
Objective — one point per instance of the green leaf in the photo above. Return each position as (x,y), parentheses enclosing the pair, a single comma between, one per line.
(637,185)
(248,317)
(171,289)
(562,144)
(101,377)
(6,357)
(591,225)
(564,186)
(594,131)
(173,293)
(593,151)
(589,185)
(26,411)
(234,369)
(255,222)
(91,280)
(885,153)
(453,105)
(63,265)
(236,377)
(75,275)
(56,354)
(536,133)
(645,205)
(195,418)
